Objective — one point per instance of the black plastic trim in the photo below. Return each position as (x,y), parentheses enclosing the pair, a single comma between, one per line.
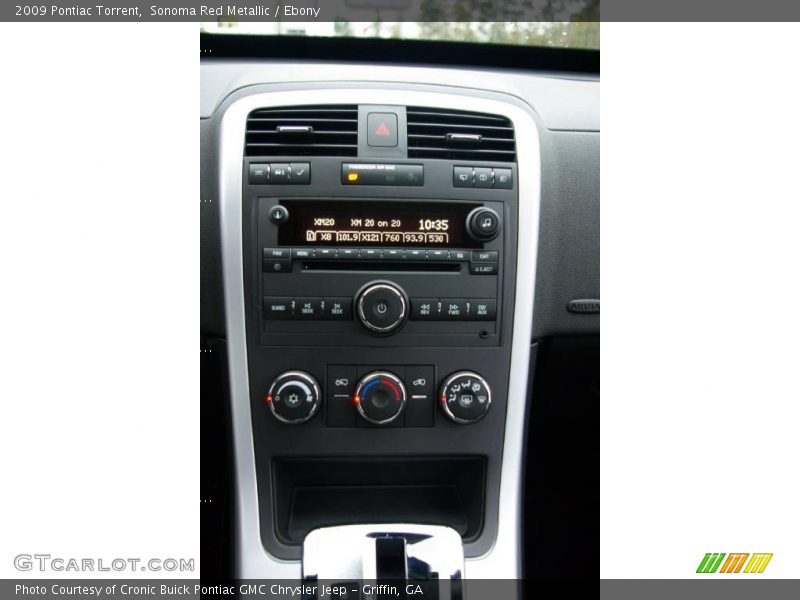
(417,52)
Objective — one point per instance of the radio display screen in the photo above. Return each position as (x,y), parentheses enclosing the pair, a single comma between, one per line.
(376,223)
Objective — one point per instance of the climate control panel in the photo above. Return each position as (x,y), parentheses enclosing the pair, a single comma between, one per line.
(369,396)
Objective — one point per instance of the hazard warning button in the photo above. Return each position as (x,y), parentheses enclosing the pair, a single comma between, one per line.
(382,129)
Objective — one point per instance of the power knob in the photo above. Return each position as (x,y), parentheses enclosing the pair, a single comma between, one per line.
(293,397)
(465,397)
(382,307)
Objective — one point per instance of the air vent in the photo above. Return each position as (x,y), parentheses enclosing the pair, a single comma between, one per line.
(330,130)
(459,135)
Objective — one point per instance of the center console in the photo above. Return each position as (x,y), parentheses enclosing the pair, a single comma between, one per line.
(379,283)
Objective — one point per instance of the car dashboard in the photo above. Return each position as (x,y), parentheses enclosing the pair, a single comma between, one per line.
(388,248)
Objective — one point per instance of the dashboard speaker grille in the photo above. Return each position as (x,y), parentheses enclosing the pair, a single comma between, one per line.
(320,130)
(459,135)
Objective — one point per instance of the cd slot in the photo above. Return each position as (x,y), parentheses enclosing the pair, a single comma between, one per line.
(371,265)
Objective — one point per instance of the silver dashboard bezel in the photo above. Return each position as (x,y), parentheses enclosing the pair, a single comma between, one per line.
(252,560)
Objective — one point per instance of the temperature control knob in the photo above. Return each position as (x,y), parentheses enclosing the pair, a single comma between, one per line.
(293,397)
(382,307)
(465,397)
(380,397)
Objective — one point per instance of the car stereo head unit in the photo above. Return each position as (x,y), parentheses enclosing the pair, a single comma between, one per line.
(419,271)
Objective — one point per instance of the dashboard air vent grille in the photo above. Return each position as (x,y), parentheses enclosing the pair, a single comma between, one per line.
(459,135)
(330,130)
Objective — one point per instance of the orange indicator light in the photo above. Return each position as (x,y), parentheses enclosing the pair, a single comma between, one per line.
(352,177)
(269,398)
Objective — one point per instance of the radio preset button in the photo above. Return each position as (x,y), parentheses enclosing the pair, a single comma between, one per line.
(416,254)
(349,253)
(425,309)
(438,255)
(371,253)
(326,253)
(394,254)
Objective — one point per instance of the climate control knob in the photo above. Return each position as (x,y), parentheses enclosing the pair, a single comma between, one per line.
(382,307)
(293,397)
(380,397)
(465,397)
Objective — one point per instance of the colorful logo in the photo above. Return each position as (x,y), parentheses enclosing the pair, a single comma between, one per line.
(734,562)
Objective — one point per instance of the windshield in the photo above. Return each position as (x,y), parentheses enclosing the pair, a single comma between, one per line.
(576,34)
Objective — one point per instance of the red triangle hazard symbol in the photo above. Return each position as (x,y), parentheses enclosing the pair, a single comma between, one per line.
(382,130)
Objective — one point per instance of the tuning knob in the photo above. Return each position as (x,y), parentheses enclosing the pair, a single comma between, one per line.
(380,397)
(293,397)
(483,224)
(465,397)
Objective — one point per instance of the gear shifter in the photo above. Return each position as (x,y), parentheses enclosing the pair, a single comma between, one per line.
(386,560)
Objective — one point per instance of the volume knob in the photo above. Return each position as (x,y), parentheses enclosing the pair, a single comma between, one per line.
(382,307)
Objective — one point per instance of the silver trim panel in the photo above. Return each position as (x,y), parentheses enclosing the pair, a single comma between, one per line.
(252,560)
